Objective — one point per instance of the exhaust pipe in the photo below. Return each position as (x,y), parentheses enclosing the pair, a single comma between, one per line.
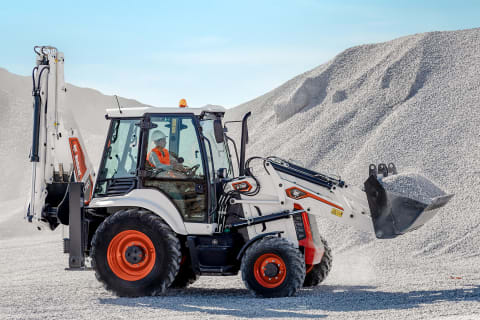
(394,214)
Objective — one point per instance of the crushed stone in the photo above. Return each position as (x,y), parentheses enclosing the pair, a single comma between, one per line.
(413,186)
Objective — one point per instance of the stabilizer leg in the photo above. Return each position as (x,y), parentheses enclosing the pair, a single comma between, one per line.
(76,243)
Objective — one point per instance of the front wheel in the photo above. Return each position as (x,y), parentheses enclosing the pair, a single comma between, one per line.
(134,253)
(273,267)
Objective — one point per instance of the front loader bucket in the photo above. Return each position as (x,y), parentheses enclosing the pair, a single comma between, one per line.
(394,214)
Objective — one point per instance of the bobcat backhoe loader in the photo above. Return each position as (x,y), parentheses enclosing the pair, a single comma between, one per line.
(166,206)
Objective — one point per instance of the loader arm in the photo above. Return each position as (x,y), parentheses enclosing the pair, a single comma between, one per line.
(58,154)
(284,187)
(371,208)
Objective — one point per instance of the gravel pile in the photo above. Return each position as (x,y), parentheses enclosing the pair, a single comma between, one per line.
(413,186)
(414,101)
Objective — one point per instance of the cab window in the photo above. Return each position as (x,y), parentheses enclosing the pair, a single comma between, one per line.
(220,152)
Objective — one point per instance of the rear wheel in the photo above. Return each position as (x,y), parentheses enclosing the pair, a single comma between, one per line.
(134,253)
(319,271)
(273,267)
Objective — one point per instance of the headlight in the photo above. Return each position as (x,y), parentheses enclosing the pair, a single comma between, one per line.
(242,186)
(296,193)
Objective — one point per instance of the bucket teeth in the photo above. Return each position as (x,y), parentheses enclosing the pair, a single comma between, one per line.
(392,169)
(382,169)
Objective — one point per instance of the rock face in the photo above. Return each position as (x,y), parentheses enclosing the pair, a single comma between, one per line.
(414,101)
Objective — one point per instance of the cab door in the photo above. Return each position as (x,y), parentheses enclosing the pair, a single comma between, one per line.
(173,163)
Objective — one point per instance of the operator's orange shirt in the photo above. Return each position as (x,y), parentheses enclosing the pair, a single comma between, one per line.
(163,156)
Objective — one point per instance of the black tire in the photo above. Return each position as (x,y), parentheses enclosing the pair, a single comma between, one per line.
(186,276)
(166,247)
(293,262)
(320,271)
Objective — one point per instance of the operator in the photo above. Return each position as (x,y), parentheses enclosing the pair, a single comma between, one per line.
(159,157)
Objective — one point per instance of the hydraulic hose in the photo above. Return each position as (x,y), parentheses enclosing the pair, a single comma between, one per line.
(36,114)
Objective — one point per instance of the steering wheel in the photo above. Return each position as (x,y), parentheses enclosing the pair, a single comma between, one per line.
(191,171)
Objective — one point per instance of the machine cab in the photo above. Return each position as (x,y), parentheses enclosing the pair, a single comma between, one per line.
(177,152)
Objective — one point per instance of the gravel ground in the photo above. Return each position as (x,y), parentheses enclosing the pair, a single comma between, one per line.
(36,286)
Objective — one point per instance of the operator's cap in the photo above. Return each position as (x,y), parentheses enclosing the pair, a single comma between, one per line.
(158,134)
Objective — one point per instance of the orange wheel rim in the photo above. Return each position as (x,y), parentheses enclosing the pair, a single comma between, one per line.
(269,270)
(131,255)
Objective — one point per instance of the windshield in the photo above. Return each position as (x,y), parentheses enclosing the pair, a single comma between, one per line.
(220,152)
(121,153)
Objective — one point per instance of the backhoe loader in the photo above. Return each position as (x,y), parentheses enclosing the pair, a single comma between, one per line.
(170,203)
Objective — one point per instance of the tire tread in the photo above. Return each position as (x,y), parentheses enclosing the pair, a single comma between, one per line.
(295,269)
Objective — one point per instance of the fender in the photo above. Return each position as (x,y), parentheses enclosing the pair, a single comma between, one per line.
(149,199)
(251,241)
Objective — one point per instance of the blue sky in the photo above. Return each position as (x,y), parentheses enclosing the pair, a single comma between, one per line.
(218,52)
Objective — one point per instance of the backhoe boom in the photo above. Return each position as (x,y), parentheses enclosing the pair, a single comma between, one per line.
(58,154)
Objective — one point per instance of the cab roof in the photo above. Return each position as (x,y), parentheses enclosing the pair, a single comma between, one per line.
(138,112)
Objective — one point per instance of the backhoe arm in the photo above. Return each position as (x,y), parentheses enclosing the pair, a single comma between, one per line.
(58,155)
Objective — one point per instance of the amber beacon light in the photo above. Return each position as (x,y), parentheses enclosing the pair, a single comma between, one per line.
(182,103)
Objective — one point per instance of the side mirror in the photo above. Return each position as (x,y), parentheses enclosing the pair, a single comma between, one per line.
(218,131)
(222,173)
